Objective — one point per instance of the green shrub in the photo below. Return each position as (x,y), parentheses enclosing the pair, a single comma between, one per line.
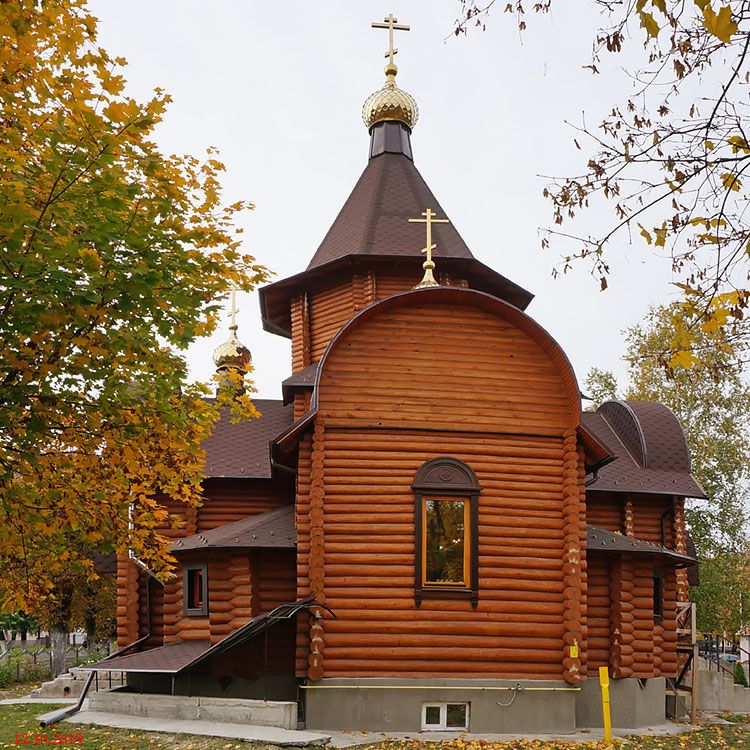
(739,675)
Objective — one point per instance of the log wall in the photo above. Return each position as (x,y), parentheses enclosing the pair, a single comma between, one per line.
(445,366)
(604,510)
(518,626)
(229,500)
(598,614)
(623,632)
(318,315)
(229,598)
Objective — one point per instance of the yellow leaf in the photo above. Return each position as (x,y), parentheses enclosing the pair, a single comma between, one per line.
(661,235)
(719,24)
(646,234)
(701,4)
(649,23)
(709,145)
(738,142)
(661,5)
(684,359)
(731,181)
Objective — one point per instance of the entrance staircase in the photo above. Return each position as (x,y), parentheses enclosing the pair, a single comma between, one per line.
(70,684)
(701,685)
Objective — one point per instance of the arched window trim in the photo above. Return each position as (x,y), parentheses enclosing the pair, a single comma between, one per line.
(448,477)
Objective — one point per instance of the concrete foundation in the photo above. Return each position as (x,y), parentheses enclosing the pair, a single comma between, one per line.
(369,704)
(633,703)
(234,711)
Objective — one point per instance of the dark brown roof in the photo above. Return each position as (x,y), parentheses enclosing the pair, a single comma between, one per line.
(649,446)
(168,659)
(176,657)
(275,528)
(374,218)
(241,449)
(299,380)
(602,540)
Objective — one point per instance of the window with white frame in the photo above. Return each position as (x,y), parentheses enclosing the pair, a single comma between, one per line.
(445,717)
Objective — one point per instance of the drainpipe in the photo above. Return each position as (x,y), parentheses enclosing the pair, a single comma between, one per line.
(64,713)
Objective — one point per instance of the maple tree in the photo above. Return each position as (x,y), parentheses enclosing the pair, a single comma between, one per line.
(672,157)
(712,403)
(114,258)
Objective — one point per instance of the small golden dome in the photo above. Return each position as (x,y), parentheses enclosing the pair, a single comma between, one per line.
(232,353)
(390,103)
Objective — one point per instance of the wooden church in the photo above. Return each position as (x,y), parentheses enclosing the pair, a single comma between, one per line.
(427,531)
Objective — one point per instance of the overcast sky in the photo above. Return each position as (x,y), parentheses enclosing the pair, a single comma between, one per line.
(278,88)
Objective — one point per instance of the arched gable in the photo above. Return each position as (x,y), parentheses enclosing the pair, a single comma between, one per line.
(447,358)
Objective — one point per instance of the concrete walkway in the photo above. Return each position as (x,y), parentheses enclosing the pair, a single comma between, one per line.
(269,735)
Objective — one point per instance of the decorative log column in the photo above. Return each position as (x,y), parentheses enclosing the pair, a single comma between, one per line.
(191,521)
(572,553)
(315,668)
(628,520)
(680,545)
(584,560)
(127,600)
(622,617)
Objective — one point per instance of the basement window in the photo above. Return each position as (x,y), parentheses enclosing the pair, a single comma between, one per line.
(195,590)
(445,717)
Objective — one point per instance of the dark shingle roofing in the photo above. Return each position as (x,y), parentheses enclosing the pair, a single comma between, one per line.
(273,529)
(168,659)
(649,446)
(373,219)
(241,449)
(300,379)
(602,540)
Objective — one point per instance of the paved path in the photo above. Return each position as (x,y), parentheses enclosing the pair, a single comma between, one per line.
(270,735)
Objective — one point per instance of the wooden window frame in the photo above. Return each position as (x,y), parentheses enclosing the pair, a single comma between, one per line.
(201,611)
(446,478)
(658,610)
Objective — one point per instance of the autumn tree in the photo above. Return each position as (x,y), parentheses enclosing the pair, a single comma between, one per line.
(712,402)
(114,259)
(671,156)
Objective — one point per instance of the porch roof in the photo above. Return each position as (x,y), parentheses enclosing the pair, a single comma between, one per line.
(272,529)
(602,540)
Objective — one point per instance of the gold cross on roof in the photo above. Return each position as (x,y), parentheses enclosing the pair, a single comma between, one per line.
(392,25)
(428,220)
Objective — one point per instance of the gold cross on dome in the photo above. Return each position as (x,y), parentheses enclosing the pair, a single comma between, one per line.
(392,25)
(233,312)
(428,220)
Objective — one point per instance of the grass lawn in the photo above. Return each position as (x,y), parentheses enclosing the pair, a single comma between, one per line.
(20,719)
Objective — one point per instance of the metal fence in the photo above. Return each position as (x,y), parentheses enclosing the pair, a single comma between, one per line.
(18,662)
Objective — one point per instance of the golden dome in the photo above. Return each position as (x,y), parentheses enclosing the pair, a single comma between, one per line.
(390,103)
(232,353)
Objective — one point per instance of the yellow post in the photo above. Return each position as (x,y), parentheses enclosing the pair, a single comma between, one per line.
(604,682)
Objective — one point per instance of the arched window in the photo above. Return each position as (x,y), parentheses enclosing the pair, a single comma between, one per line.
(446,520)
